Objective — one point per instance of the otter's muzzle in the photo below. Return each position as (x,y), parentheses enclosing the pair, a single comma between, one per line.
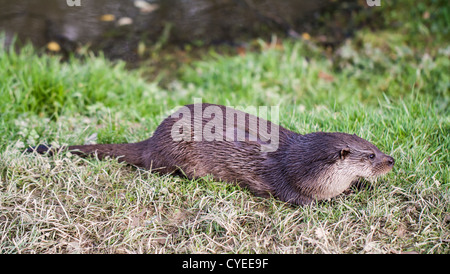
(390,161)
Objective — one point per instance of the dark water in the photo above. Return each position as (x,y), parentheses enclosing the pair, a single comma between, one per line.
(42,21)
(39,19)
(116,27)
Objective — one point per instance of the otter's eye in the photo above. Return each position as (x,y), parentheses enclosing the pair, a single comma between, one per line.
(372,156)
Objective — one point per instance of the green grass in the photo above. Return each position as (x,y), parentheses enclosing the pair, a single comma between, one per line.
(383,88)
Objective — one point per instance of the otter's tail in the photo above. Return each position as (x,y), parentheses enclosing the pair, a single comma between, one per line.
(129,153)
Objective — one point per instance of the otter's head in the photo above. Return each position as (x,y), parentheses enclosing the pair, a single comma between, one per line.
(364,157)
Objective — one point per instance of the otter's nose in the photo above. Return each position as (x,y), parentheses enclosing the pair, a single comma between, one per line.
(390,161)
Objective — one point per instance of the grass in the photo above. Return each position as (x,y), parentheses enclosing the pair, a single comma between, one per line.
(385,86)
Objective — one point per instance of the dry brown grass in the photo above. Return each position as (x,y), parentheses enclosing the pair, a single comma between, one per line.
(65,204)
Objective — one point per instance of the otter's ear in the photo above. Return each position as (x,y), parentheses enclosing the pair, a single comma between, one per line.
(344,152)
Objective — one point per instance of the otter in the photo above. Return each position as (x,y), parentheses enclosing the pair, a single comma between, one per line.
(249,151)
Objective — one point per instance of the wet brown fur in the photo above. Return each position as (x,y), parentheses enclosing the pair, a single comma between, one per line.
(303,169)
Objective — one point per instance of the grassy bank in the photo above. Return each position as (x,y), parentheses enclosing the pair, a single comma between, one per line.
(386,86)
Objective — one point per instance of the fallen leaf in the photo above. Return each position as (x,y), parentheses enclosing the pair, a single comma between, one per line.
(145,7)
(241,51)
(53,46)
(107,17)
(124,21)
(325,76)
(306,36)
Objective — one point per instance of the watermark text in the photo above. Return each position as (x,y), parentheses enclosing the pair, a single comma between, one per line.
(372,3)
(72,3)
(231,124)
